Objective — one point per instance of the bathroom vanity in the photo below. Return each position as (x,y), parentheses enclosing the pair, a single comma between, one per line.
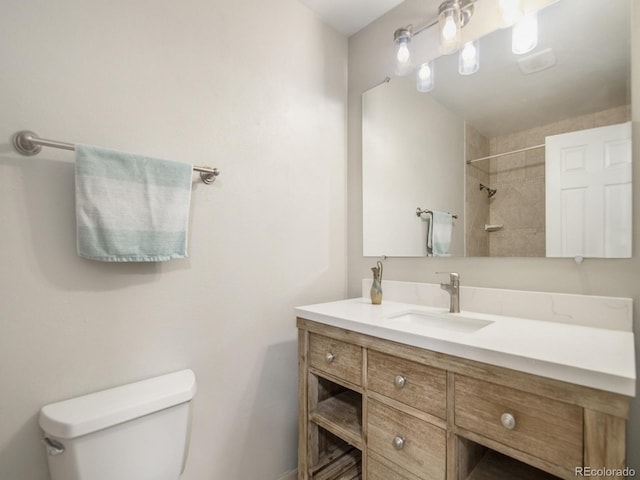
(402,391)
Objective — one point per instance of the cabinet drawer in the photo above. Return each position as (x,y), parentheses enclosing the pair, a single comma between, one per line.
(411,383)
(545,428)
(411,443)
(339,359)
(381,469)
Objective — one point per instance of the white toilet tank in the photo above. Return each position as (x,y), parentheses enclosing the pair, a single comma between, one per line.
(138,431)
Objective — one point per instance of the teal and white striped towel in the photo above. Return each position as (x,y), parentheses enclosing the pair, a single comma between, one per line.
(130,208)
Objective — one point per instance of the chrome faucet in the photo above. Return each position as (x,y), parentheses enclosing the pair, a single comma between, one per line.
(453,287)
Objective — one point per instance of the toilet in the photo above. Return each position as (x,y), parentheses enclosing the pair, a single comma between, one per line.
(138,431)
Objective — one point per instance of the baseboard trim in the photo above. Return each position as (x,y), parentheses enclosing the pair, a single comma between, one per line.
(292,475)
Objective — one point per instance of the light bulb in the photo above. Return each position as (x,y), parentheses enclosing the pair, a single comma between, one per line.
(469,58)
(402,37)
(404,54)
(449,26)
(424,77)
(449,30)
(525,35)
(511,11)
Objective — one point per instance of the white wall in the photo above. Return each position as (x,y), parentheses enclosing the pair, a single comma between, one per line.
(255,88)
(370,51)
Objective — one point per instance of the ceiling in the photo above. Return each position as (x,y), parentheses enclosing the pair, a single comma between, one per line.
(350,16)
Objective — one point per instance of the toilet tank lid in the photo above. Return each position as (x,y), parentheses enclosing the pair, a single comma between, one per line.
(89,413)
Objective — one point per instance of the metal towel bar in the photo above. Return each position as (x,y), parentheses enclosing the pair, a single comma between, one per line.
(28,143)
(419,212)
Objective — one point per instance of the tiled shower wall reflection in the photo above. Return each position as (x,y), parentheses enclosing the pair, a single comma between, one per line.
(519,204)
(476,201)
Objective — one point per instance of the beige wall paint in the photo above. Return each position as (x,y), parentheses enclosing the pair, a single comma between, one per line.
(370,51)
(207,82)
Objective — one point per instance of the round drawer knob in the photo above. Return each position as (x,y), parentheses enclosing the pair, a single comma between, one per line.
(508,421)
(398,443)
(399,381)
(329,357)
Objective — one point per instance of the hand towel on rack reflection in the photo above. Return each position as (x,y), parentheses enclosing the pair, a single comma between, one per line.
(441,231)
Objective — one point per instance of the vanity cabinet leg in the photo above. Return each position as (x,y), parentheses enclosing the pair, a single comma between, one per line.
(452,439)
(303,406)
(604,440)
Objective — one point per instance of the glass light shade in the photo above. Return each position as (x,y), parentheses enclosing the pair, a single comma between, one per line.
(469,58)
(525,35)
(403,56)
(449,27)
(511,11)
(424,77)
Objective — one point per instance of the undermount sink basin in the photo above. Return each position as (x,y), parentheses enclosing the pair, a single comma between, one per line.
(446,321)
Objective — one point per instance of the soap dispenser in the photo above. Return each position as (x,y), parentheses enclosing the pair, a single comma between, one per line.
(376,286)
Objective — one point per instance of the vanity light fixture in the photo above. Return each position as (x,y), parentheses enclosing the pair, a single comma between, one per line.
(525,34)
(402,38)
(453,15)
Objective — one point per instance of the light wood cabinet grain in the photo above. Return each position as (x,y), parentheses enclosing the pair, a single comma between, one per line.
(412,383)
(444,419)
(602,447)
(545,428)
(341,415)
(339,359)
(494,466)
(413,444)
(379,468)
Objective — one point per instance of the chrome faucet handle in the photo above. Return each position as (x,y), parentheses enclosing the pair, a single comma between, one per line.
(453,276)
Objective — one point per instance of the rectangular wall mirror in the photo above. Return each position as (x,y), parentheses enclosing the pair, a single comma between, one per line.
(532,153)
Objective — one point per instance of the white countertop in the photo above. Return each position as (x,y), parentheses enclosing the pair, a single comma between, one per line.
(588,356)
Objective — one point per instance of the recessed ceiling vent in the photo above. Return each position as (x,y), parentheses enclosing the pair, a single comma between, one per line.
(537,62)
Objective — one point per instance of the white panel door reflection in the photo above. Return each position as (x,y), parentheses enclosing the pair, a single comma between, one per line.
(588,193)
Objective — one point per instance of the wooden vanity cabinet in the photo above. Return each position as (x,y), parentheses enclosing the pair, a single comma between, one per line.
(374,409)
